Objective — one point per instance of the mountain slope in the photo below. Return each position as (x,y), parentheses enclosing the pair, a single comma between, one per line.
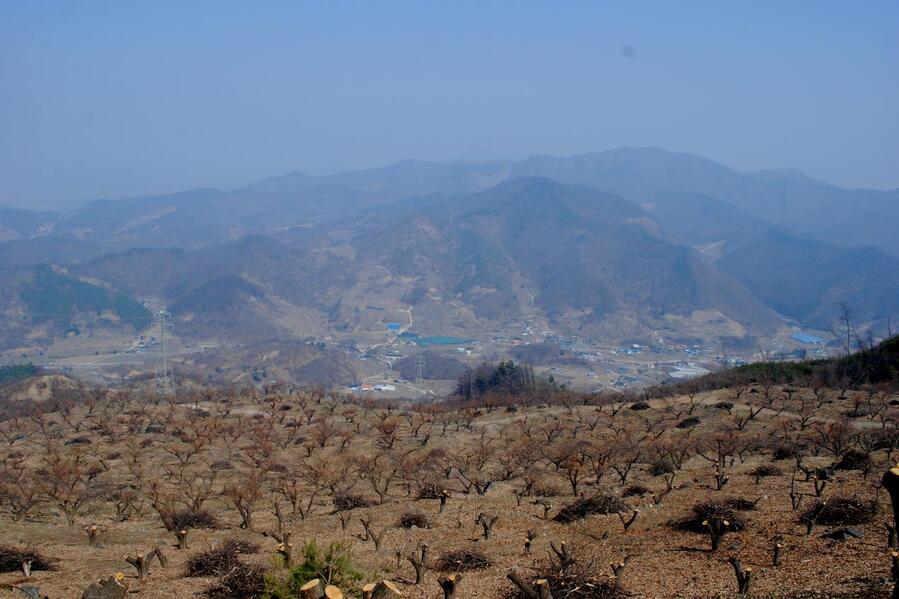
(812,281)
(44,302)
(234,290)
(17,223)
(588,259)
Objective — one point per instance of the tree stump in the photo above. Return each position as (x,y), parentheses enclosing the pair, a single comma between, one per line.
(163,560)
(141,563)
(181,535)
(450,585)
(529,541)
(529,591)
(716,528)
(890,482)
(419,562)
(332,592)
(312,589)
(93,534)
(744,575)
(285,550)
(627,522)
(110,588)
(543,591)
(778,547)
(487,523)
(385,590)
(29,591)
(618,569)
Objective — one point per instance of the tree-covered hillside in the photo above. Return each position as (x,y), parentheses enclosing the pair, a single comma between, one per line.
(52,296)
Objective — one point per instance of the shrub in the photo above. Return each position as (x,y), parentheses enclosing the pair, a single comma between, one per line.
(766,470)
(11,559)
(241,546)
(883,439)
(639,406)
(543,488)
(785,452)
(689,422)
(188,518)
(430,491)
(350,501)
(635,490)
(853,459)
(724,405)
(462,560)
(740,504)
(416,519)
(840,510)
(222,465)
(242,581)
(78,441)
(587,506)
(664,466)
(332,565)
(727,509)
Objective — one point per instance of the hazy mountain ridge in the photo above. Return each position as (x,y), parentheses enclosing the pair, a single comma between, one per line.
(790,199)
(482,242)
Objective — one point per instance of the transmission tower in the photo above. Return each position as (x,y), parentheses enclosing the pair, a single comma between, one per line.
(164,383)
(420,363)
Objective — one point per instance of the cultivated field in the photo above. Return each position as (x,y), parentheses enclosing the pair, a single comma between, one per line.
(616,479)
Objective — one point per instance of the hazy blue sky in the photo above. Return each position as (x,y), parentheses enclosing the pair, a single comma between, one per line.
(107,99)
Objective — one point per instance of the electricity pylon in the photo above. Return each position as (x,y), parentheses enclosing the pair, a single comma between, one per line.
(420,363)
(164,383)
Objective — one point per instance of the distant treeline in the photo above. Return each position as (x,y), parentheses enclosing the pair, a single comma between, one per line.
(505,378)
(872,364)
(16,372)
(56,297)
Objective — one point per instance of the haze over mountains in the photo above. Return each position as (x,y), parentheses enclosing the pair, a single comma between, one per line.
(620,244)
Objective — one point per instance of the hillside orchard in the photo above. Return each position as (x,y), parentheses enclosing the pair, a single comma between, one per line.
(762,488)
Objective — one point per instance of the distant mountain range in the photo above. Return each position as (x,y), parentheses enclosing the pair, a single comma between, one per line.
(618,243)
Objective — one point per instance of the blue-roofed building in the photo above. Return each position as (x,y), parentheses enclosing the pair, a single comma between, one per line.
(806,338)
(392,326)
